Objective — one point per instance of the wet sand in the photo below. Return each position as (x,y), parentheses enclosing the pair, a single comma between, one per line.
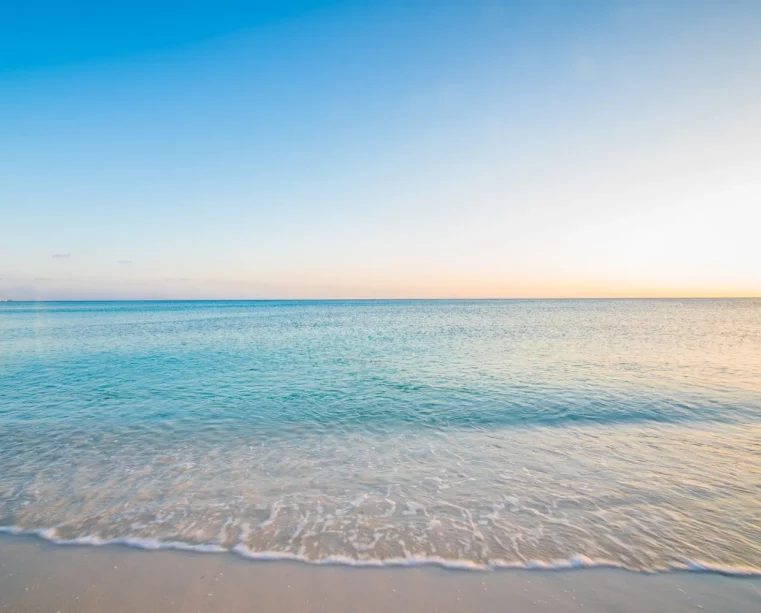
(36,576)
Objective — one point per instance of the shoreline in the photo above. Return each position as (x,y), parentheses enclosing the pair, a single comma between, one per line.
(573,563)
(38,575)
(578,562)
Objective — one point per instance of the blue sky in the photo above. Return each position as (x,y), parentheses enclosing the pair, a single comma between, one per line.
(379,149)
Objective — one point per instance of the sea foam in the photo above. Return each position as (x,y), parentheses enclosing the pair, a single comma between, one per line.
(575,562)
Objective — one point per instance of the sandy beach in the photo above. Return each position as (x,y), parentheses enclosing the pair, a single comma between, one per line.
(36,576)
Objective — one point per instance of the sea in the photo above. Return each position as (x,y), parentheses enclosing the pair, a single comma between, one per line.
(468,434)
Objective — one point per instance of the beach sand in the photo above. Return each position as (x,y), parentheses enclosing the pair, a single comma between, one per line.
(36,576)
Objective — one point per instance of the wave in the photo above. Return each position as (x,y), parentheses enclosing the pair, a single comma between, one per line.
(574,562)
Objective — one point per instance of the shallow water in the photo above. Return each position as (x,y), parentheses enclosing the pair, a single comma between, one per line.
(485,433)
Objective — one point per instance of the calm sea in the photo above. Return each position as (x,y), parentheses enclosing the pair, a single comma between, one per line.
(466,433)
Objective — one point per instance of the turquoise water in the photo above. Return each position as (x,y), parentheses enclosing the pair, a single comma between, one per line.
(468,433)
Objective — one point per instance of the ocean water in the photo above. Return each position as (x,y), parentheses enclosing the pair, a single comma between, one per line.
(474,434)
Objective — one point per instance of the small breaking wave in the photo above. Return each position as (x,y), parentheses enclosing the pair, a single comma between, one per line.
(574,562)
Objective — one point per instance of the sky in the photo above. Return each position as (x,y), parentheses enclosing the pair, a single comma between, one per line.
(386,149)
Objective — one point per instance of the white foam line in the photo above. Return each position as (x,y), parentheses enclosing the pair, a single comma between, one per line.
(575,562)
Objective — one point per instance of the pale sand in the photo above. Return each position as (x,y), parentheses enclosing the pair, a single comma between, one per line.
(36,576)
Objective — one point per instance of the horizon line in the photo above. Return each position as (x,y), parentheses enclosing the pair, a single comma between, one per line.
(438,299)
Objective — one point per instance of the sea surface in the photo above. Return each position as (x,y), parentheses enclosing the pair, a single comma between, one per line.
(474,434)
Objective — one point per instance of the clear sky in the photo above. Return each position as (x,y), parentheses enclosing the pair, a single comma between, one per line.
(279,149)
